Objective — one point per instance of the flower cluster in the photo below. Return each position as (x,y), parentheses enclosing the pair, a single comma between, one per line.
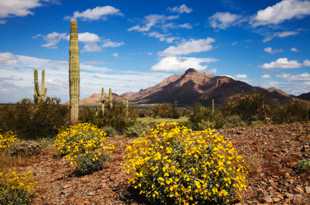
(6,140)
(175,165)
(84,145)
(15,187)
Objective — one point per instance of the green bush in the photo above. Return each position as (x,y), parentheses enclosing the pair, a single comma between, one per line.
(85,164)
(233,121)
(111,132)
(303,166)
(136,129)
(31,121)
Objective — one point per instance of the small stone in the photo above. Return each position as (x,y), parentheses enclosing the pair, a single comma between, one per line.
(297,199)
(299,189)
(267,199)
(276,199)
(307,188)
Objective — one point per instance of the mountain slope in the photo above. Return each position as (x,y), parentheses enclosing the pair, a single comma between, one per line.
(304,96)
(194,86)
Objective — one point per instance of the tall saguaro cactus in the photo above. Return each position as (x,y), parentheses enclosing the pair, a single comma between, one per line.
(213,106)
(110,99)
(74,73)
(39,94)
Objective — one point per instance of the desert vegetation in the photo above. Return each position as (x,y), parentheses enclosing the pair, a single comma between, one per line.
(165,153)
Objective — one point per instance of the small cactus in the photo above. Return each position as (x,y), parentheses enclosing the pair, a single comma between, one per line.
(101,102)
(39,94)
(110,98)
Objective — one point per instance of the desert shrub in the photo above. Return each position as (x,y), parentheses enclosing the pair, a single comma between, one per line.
(111,132)
(172,164)
(16,188)
(202,118)
(303,166)
(84,145)
(291,112)
(24,148)
(136,129)
(249,107)
(7,140)
(30,120)
(116,117)
(233,121)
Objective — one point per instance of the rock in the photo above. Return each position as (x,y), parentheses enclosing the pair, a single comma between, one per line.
(299,189)
(267,199)
(297,199)
(276,199)
(307,188)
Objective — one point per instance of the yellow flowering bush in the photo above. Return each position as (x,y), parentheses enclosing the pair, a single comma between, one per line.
(84,146)
(16,188)
(172,164)
(6,140)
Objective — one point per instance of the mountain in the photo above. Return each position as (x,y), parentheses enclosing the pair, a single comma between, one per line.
(304,96)
(92,99)
(196,86)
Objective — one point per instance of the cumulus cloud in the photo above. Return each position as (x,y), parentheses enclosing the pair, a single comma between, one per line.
(91,42)
(177,63)
(223,20)
(294,49)
(282,34)
(162,37)
(99,12)
(266,76)
(272,51)
(108,43)
(10,8)
(152,20)
(188,47)
(282,11)
(295,77)
(284,63)
(241,76)
(12,80)
(181,9)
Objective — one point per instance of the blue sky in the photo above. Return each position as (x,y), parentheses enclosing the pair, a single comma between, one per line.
(128,45)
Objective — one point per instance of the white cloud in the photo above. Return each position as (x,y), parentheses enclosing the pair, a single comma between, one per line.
(100,12)
(241,76)
(10,8)
(16,76)
(107,43)
(295,77)
(294,49)
(90,41)
(265,76)
(188,47)
(307,63)
(174,63)
(272,51)
(161,37)
(282,34)
(115,55)
(282,11)
(152,20)
(222,20)
(284,63)
(181,9)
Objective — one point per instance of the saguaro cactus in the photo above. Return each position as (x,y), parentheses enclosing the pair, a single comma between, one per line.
(74,73)
(39,94)
(101,102)
(110,98)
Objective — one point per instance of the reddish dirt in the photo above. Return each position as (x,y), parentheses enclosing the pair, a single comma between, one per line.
(271,151)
